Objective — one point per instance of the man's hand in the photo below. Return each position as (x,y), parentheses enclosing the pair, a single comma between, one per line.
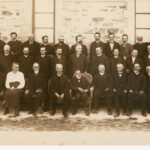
(124,57)
(38,91)
(26,92)
(141,92)
(57,95)
(125,91)
(80,89)
(85,90)
(107,89)
(62,96)
(114,90)
(130,91)
(92,88)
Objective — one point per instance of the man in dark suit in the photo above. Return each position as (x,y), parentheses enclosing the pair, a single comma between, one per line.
(137,88)
(2,43)
(80,93)
(79,40)
(26,61)
(140,46)
(125,48)
(49,48)
(102,89)
(97,59)
(148,88)
(131,60)
(115,60)
(95,44)
(6,60)
(65,48)
(45,67)
(111,45)
(34,90)
(15,45)
(147,56)
(34,47)
(59,91)
(78,61)
(120,89)
(59,59)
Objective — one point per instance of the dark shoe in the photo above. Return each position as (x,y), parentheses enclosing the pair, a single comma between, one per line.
(144,113)
(95,111)
(129,113)
(16,113)
(65,115)
(30,112)
(6,111)
(35,114)
(109,112)
(117,114)
(52,113)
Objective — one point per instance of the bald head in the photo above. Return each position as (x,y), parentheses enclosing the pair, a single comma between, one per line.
(59,69)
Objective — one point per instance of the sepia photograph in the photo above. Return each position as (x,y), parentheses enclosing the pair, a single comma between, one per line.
(74,73)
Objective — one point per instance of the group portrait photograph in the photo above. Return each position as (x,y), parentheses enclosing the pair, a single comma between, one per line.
(74,73)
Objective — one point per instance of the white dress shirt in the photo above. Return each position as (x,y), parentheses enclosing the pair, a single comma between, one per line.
(15,77)
(111,45)
(133,59)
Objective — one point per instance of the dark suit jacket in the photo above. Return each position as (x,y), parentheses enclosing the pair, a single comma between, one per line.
(148,84)
(130,64)
(16,47)
(126,49)
(60,85)
(6,62)
(84,49)
(56,60)
(120,83)
(34,47)
(95,61)
(45,65)
(78,63)
(136,82)
(2,43)
(146,60)
(142,49)
(108,51)
(113,63)
(49,48)
(65,50)
(35,82)
(26,64)
(93,48)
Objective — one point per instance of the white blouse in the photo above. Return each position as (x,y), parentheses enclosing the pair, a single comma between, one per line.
(15,77)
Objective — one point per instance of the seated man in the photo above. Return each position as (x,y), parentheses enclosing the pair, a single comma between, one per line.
(59,91)
(80,93)
(102,89)
(137,87)
(34,89)
(120,89)
(15,82)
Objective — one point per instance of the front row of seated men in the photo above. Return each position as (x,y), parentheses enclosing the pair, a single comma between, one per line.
(118,89)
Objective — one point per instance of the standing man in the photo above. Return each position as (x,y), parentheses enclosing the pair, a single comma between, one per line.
(125,48)
(15,45)
(147,56)
(2,43)
(111,45)
(59,91)
(137,88)
(78,61)
(65,48)
(95,44)
(34,90)
(15,82)
(79,40)
(34,47)
(49,48)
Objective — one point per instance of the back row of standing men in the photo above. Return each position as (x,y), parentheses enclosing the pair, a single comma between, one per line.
(109,54)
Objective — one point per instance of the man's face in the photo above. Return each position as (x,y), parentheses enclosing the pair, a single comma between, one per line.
(36,68)
(124,39)
(148,70)
(43,51)
(140,39)
(78,49)
(111,38)
(80,40)
(137,67)
(98,51)
(134,53)
(119,67)
(45,40)
(15,67)
(78,74)
(30,37)
(148,49)
(6,49)
(101,68)
(58,51)
(61,40)
(116,52)
(13,37)
(26,51)
(59,70)
(97,37)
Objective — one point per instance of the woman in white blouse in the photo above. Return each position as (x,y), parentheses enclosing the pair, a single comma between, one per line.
(14,84)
